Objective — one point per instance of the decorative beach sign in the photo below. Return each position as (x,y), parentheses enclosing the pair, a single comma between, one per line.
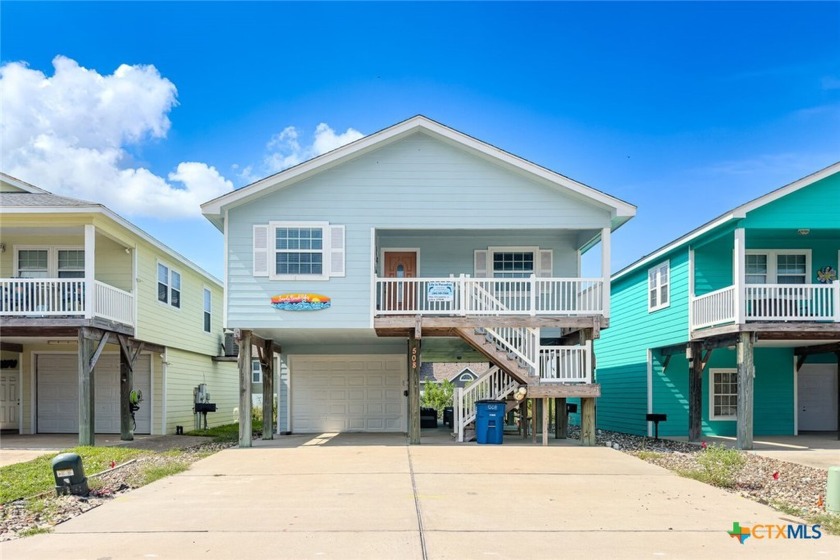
(826,275)
(440,291)
(300,302)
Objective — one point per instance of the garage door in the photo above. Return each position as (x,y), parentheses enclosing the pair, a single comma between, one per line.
(817,397)
(348,394)
(58,394)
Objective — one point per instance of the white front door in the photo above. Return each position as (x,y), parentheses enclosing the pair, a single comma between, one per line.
(817,396)
(348,393)
(9,400)
(58,393)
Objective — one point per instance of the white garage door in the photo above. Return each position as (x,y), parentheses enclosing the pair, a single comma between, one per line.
(58,394)
(348,394)
(817,397)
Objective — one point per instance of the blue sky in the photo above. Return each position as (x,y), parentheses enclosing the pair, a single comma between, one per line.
(684,109)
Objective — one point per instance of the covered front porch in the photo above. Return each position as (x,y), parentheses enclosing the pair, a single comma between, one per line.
(731,390)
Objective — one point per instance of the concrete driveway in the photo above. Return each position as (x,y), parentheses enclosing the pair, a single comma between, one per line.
(358,496)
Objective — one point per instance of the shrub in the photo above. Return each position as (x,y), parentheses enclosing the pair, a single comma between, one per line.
(438,395)
(720,466)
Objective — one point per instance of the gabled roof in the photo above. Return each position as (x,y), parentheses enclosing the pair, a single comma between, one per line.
(435,372)
(22,185)
(45,200)
(214,209)
(735,214)
(34,200)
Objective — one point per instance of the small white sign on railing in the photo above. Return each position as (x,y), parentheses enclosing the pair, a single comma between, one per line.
(437,291)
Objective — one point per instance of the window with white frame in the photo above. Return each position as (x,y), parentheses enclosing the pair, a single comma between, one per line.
(208,302)
(777,267)
(299,251)
(659,286)
(33,263)
(513,264)
(723,397)
(71,263)
(256,371)
(50,262)
(169,286)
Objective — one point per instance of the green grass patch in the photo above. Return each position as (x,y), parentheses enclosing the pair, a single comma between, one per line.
(23,480)
(719,466)
(225,433)
(42,507)
(648,455)
(828,522)
(35,531)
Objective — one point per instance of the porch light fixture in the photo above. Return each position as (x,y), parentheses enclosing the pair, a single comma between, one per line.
(803,231)
(2,247)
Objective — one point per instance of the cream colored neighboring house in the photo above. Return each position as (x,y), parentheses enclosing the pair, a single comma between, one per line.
(74,273)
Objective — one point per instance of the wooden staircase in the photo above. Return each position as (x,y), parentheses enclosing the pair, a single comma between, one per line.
(519,361)
(499,355)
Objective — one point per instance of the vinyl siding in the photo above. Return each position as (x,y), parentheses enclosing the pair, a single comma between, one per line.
(814,206)
(622,349)
(773,412)
(163,324)
(185,370)
(442,256)
(415,183)
(713,265)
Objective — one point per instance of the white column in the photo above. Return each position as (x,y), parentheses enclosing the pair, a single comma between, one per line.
(690,290)
(739,274)
(90,260)
(605,269)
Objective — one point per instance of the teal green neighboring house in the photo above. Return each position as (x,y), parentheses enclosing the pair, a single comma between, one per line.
(734,328)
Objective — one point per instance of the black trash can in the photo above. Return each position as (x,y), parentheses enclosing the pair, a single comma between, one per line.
(489,421)
(448,416)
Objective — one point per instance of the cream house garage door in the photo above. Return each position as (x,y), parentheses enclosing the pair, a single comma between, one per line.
(58,394)
(348,394)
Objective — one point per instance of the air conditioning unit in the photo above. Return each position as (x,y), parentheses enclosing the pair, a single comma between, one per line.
(231,348)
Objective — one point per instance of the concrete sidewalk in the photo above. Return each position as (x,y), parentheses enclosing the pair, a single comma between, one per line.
(374,497)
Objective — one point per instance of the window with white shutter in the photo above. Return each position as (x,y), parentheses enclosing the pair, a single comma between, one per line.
(261,250)
(480,264)
(336,250)
(299,251)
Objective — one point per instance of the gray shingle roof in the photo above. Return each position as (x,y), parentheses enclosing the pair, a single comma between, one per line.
(46,200)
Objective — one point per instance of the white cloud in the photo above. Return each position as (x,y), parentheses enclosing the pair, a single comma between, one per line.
(284,149)
(69,134)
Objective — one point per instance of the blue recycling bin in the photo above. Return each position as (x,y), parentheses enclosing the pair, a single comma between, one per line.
(489,421)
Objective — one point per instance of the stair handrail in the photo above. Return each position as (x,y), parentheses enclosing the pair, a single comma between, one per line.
(528,348)
(477,288)
(494,384)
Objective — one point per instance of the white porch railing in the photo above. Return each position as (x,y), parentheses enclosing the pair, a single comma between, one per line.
(489,296)
(792,302)
(63,297)
(566,364)
(769,302)
(21,297)
(494,384)
(112,303)
(713,308)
